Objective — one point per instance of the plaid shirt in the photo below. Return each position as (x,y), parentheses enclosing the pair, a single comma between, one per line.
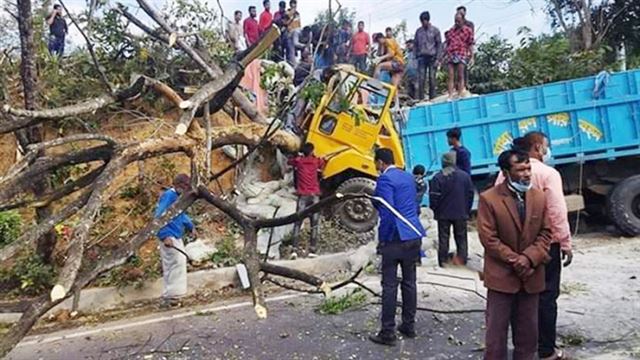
(459,41)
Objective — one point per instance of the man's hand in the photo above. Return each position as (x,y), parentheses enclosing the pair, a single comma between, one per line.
(168,242)
(472,61)
(522,266)
(567,257)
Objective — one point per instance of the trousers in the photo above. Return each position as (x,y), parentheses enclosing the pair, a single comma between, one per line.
(460,236)
(405,254)
(548,310)
(426,70)
(305,201)
(519,310)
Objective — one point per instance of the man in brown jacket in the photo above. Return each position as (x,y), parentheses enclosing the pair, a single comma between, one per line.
(514,230)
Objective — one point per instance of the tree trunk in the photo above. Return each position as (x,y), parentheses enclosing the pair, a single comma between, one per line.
(33,134)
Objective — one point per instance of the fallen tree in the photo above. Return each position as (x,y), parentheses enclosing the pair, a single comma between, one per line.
(107,158)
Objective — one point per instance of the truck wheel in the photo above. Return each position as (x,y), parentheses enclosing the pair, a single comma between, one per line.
(357,215)
(624,205)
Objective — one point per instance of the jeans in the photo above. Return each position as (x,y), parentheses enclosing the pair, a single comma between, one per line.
(460,236)
(305,201)
(426,68)
(360,62)
(548,309)
(406,254)
(56,45)
(291,51)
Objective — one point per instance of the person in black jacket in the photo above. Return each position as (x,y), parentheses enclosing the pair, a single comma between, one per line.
(451,197)
(421,186)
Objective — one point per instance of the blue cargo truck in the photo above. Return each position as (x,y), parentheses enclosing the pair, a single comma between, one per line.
(593,124)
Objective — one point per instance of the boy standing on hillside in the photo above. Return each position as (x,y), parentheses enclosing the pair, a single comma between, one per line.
(307,169)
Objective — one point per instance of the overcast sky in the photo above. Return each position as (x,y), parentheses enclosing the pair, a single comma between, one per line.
(491,17)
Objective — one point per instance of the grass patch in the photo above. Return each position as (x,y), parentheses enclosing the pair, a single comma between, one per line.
(135,272)
(573,339)
(28,276)
(337,305)
(573,288)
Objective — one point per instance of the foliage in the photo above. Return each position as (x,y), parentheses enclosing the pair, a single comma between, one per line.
(400,32)
(539,59)
(313,92)
(226,254)
(28,276)
(337,305)
(344,14)
(135,272)
(490,72)
(10,223)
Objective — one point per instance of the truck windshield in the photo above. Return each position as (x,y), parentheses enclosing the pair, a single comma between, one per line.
(362,98)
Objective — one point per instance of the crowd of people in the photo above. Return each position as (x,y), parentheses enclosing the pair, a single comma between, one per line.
(522,224)
(413,66)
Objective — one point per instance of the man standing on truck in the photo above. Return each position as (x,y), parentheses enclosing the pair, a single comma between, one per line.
(451,197)
(359,48)
(548,179)
(514,230)
(463,155)
(459,54)
(307,169)
(399,236)
(428,46)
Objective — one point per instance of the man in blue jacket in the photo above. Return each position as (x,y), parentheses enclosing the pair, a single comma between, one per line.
(399,234)
(174,263)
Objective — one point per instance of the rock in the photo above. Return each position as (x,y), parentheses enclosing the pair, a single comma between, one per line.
(259,210)
(199,250)
(363,255)
(285,203)
(232,152)
(269,187)
(287,192)
(249,189)
(279,233)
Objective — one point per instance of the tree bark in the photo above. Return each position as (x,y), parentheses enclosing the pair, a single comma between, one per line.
(28,74)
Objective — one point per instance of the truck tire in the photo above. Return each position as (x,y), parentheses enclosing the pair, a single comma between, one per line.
(624,205)
(357,215)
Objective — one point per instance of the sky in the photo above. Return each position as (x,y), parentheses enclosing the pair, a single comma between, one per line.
(503,17)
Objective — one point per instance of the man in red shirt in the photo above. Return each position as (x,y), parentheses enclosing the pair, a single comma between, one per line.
(459,52)
(360,48)
(307,168)
(251,27)
(265,18)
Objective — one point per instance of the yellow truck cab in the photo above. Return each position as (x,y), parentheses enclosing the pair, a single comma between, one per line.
(352,120)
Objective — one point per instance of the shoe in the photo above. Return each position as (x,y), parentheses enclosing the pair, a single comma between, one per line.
(293,256)
(167,303)
(387,340)
(559,354)
(408,333)
(312,255)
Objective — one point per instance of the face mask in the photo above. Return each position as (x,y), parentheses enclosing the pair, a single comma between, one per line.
(547,157)
(519,186)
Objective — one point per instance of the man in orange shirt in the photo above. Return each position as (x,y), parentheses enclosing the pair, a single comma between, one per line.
(548,179)
(266,18)
(359,48)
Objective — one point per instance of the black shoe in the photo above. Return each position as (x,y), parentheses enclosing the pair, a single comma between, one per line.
(409,334)
(388,340)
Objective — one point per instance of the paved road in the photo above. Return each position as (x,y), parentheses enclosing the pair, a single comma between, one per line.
(599,313)
(294,330)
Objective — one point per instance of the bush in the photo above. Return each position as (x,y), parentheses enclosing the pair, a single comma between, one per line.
(337,305)
(29,276)
(10,223)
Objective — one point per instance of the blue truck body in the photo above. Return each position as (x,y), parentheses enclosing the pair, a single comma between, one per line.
(592,118)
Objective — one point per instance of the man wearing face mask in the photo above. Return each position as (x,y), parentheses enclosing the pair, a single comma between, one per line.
(514,230)
(548,179)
